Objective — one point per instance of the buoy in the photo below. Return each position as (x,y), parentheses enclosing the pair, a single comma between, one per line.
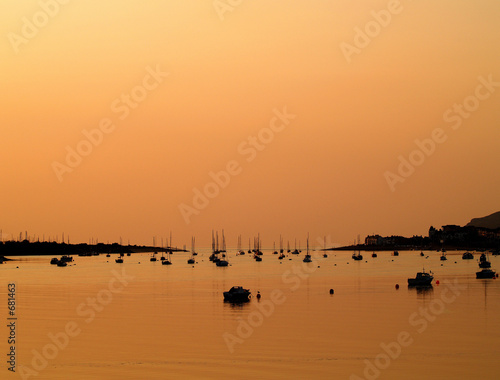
(258,295)
(318,266)
(397,286)
(331,291)
(437,282)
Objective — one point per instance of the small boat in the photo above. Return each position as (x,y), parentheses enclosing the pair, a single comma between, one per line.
(108,255)
(307,257)
(167,260)
(237,294)
(358,256)
(66,259)
(374,254)
(240,251)
(153,255)
(54,261)
(443,257)
(325,255)
(422,279)
(256,250)
(128,254)
(421,254)
(191,259)
(495,252)
(119,260)
(61,263)
(396,253)
(214,257)
(281,256)
(467,256)
(486,273)
(483,261)
(222,263)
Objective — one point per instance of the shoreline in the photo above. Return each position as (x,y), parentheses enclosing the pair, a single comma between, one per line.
(25,248)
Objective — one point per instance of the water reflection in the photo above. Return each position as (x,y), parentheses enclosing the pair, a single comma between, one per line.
(236,305)
(486,284)
(423,291)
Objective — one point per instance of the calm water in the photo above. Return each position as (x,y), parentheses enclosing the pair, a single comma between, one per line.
(148,321)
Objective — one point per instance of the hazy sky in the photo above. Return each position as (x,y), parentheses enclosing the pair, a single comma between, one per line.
(182,89)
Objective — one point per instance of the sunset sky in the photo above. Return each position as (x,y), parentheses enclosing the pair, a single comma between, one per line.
(204,78)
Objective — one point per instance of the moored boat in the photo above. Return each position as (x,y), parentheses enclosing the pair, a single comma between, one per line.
(486,273)
(357,256)
(483,262)
(191,259)
(467,256)
(307,257)
(237,294)
(422,279)
(222,263)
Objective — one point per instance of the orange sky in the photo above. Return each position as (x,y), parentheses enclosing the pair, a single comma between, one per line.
(228,74)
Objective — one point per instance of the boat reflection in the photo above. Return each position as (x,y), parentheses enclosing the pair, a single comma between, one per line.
(236,305)
(421,290)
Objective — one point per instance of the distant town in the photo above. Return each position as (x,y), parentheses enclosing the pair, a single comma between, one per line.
(450,237)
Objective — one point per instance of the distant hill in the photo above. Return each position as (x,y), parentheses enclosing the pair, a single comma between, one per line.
(491,221)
